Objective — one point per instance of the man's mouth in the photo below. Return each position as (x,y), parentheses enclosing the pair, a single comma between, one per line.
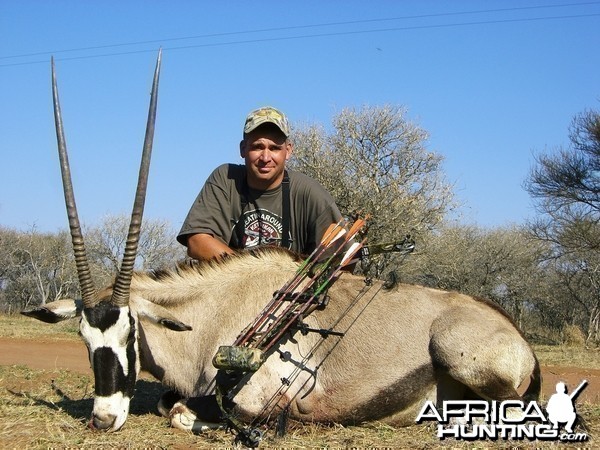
(265,169)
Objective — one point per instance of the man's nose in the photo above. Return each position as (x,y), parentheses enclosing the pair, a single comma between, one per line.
(265,155)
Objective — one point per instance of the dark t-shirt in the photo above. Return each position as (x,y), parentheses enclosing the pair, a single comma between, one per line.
(226,200)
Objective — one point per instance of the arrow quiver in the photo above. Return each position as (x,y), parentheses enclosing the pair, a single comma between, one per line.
(302,294)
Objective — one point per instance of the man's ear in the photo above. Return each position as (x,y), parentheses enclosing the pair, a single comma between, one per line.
(290,149)
(243,148)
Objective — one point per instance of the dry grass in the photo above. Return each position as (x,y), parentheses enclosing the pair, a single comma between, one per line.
(42,410)
(19,326)
(564,355)
(49,409)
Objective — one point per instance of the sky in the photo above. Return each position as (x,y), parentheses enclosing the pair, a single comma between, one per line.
(493,83)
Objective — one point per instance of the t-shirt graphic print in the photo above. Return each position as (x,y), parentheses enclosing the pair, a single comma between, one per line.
(260,227)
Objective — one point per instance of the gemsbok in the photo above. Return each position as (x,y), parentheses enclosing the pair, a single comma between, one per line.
(402,345)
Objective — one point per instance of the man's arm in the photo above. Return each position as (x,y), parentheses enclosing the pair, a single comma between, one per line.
(204,246)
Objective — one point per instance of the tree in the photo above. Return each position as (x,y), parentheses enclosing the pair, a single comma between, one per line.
(105,244)
(36,268)
(499,264)
(566,189)
(375,162)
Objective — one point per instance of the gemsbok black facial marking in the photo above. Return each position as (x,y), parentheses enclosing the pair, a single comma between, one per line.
(111,338)
(102,316)
(109,332)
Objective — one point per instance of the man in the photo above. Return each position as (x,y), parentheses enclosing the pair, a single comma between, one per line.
(260,202)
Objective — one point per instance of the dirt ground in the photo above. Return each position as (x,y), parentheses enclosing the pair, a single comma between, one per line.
(52,354)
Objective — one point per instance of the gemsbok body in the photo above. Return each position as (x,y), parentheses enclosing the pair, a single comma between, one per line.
(402,345)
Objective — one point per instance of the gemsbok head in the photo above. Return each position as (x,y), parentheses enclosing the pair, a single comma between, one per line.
(107,326)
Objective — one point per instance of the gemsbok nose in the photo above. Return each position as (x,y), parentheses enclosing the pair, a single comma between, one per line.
(102,422)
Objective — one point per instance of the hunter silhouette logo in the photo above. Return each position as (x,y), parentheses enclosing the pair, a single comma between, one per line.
(561,406)
(509,419)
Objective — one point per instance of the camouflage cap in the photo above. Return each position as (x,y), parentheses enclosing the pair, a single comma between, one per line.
(267,114)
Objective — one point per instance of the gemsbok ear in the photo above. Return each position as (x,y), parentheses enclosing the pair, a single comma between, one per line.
(57,311)
(158,315)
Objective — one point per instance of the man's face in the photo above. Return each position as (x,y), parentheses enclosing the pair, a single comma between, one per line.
(265,151)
